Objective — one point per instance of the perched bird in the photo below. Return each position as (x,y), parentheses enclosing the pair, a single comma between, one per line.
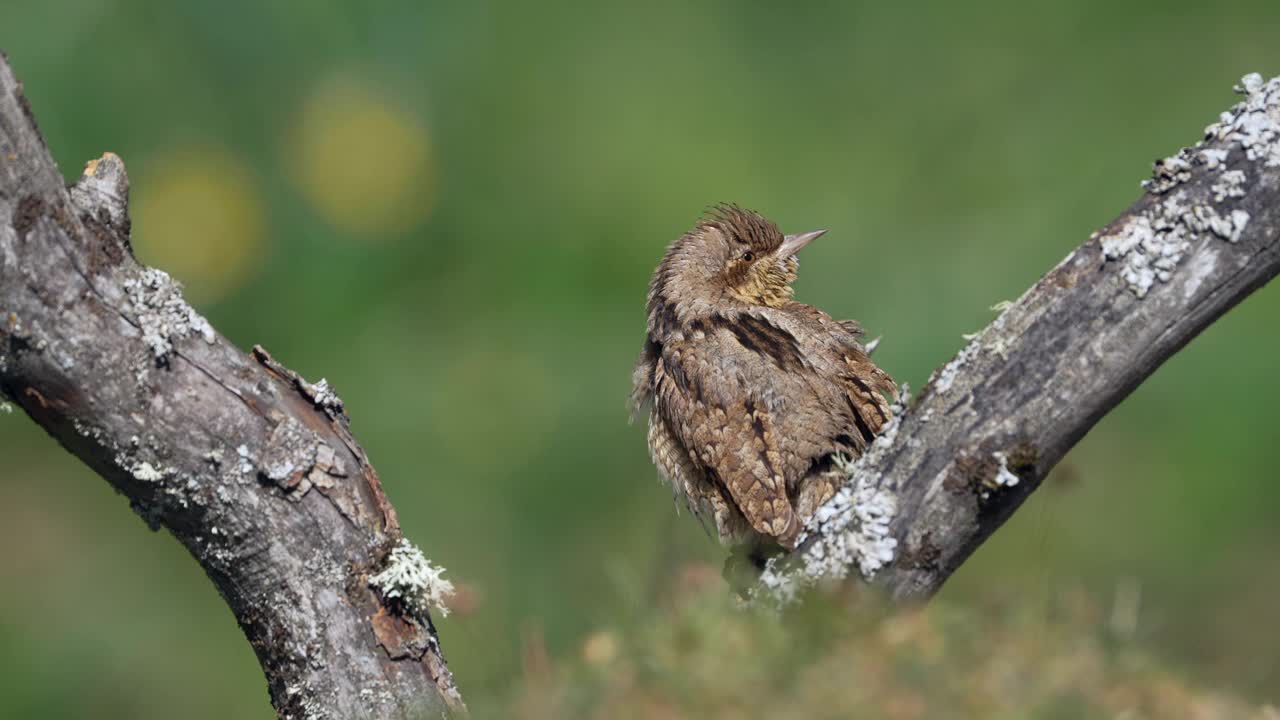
(751,393)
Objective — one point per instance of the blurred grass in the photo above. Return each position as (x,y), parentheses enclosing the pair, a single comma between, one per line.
(696,655)
(474,289)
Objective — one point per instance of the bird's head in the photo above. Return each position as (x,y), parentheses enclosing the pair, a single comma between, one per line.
(731,255)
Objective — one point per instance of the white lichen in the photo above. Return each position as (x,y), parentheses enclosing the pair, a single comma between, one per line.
(163,315)
(324,397)
(1239,219)
(1230,184)
(145,472)
(1229,227)
(126,458)
(410,576)
(899,405)
(1253,123)
(852,528)
(849,530)
(1214,157)
(1152,244)
(1170,172)
(245,466)
(943,378)
(1147,253)
(1004,477)
(779,586)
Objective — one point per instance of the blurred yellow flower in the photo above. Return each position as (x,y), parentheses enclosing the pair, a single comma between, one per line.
(364,164)
(600,648)
(197,215)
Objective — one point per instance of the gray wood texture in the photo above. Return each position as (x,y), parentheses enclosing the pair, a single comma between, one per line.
(250,467)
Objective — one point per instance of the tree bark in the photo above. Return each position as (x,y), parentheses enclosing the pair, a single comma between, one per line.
(991,423)
(250,467)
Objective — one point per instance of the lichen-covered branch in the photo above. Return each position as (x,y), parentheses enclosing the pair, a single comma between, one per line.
(990,424)
(250,467)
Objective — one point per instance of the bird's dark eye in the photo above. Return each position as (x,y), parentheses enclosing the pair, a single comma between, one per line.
(748,256)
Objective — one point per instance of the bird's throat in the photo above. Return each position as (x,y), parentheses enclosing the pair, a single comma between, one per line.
(768,289)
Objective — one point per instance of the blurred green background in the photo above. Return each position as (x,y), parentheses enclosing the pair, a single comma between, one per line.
(451,211)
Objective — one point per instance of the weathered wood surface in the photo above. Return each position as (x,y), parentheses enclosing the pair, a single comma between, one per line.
(250,467)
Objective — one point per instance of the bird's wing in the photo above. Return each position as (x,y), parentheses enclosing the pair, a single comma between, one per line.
(758,396)
(866,386)
(688,479)
(847,400)
(835,352)
(719,400)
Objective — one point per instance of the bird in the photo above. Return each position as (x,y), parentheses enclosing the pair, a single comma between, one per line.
(752,396)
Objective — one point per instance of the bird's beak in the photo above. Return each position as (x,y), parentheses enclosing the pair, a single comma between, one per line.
(792,244)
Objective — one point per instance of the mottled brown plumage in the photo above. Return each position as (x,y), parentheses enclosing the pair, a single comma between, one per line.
(751,393)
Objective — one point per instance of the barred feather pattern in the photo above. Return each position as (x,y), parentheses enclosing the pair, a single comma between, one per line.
(751,396)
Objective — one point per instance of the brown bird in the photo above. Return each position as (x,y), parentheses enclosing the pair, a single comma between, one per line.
(752,394)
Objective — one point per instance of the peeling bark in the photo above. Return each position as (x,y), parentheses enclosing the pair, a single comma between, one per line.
(993,421)
(250,467)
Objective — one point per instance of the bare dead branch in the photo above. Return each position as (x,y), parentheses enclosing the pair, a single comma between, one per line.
(990,424)
(250,467)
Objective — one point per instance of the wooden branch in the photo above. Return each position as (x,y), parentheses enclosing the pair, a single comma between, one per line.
(250,467)
(990,424)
